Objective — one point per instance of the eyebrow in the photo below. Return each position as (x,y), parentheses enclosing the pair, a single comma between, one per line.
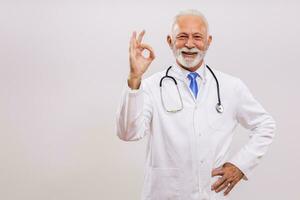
(198,34)
(184,33)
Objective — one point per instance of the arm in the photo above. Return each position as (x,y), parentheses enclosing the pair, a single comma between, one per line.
(251,115)
(135,112)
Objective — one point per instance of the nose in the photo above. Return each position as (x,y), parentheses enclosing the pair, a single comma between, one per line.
(190,43)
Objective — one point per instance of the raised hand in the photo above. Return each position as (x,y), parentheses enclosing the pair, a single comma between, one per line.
(138,63)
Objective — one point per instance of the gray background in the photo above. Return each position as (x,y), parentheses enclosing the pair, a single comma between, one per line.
(64,63)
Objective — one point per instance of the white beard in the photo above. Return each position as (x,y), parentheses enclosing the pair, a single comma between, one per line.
(189,62)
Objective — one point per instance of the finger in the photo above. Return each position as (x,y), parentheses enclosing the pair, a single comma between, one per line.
(134,42)
(141,35)
(217,172)
(150,49)
(219,182)
(223,186)
(232,184)
(131,43)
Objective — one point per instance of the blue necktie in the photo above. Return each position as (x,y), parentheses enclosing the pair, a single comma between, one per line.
(193,84)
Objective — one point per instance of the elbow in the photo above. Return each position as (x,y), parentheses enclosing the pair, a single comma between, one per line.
(269,125)
(123,136)
(127,136)
(130,131)
(122,131)
(267,130)
(272,126)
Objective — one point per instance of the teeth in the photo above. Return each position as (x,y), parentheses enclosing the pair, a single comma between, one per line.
(190,53)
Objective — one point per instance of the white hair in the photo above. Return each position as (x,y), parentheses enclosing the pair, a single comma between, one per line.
(189,12)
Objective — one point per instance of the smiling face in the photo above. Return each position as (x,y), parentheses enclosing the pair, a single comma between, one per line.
(189,41)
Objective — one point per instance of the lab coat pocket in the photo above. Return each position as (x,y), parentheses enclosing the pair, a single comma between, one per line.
(163,184)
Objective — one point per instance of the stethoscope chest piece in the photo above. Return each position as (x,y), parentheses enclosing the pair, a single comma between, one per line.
(219,108)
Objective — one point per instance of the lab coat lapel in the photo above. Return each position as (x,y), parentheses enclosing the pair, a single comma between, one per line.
(205,86)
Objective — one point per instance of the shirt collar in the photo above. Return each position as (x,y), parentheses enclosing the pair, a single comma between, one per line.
(182,73)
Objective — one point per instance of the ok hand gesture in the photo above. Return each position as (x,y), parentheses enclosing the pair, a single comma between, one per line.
(138,63)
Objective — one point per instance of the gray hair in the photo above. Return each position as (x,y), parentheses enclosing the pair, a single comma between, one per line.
(189,12)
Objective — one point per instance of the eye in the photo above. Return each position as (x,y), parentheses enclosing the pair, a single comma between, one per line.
(198,37)
(182,37)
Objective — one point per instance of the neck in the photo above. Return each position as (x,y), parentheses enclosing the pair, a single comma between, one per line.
(191,69)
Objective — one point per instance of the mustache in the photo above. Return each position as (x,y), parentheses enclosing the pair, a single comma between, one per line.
(193,50)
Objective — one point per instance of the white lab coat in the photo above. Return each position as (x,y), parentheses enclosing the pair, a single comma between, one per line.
(185,146)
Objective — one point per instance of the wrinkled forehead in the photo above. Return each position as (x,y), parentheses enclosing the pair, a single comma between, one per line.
(190,24)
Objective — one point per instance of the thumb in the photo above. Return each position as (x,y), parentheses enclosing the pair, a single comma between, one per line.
(217,171)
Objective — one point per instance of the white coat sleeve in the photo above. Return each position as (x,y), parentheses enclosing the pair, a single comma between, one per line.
(134,114)
(251,115)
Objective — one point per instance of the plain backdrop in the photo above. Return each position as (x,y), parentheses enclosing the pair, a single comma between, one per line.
(63,65)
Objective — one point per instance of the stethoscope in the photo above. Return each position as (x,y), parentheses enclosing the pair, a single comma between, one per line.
(219,106)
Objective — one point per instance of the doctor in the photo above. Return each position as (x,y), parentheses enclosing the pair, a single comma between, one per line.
(189,136)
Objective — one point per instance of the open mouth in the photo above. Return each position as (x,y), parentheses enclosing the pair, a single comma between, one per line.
(189,54)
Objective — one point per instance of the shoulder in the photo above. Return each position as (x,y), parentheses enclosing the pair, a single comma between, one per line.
(222,76)
(227,79)
(230,84)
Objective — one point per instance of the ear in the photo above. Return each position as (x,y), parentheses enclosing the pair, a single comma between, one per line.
(209,40)
(169,40)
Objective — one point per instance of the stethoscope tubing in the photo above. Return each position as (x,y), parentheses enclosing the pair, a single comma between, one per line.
(219,106)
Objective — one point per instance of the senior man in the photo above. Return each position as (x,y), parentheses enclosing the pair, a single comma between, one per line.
(189,112)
